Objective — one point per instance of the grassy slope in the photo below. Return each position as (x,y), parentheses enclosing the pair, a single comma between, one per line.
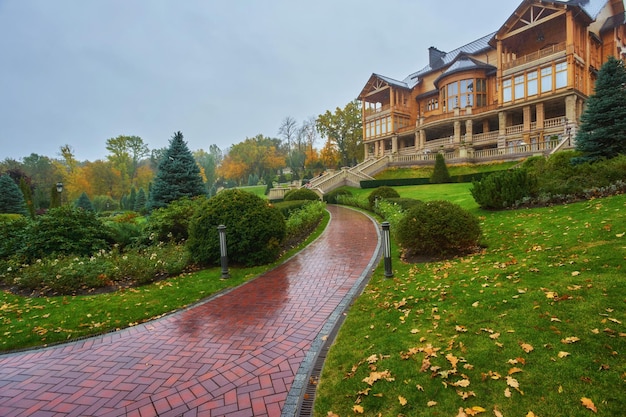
(548,276)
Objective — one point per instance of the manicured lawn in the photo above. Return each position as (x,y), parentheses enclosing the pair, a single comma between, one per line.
(426,172)
(39,321)
(535,323)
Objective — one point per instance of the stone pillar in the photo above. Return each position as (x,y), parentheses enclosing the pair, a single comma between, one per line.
(457,132)
(469,127)
(394,144)
(502,130)
(541,116)
(570,108)
(366,151)
(527,118)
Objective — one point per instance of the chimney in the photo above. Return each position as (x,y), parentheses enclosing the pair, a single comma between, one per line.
(435,56)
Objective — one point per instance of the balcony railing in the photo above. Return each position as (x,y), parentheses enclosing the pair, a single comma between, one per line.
(547,51)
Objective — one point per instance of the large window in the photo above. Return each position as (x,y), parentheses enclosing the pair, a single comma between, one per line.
(464,93)
(561,74)
(531,85)
(546,79)
(519,87)
(506,90)
(378,127)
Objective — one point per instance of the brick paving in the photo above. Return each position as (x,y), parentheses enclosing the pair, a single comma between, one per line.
(244,353)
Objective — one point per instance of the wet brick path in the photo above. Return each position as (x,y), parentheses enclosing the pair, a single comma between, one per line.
(238,354)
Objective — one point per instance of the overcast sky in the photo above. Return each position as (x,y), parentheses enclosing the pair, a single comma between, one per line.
(79,72)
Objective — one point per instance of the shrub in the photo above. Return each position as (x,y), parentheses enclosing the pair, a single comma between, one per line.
(440,173)
(438,228)
(405,203)
(66,231)
(503,189)
(331,197)
(125,234)
(171,223)
(350,200)
(390,212)
(67,275)
(288,207)
(12,234)
(380,193)
(254,230)
(301,194)
(303,221)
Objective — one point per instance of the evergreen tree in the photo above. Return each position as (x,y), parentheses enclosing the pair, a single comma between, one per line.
(602,131)
(440,174)
(140,202)
(178,175)
(28,196)
(84,202)
(11,198)
(132,199)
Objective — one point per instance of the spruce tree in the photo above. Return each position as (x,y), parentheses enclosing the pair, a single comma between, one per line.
(177,176)
(440,174)
(11,197)
(602,132)
(84,202)
(140,201)
(132,199)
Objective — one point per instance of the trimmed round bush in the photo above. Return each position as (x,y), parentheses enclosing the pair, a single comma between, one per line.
(66,231)
(383,192)
(405,203)
(254,229)
(301,194)
(438,228)
(331,197)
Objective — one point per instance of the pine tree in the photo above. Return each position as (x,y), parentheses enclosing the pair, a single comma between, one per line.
(132,199)
(602,131)
(11,198)
(84,202)
(440,174)
(178,175)
(140,201)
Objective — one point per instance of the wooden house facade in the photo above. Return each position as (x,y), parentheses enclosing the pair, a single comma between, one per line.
(518,91)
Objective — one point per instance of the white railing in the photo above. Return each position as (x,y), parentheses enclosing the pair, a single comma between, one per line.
(556,122)
(436,144)
(485,137)
(514,129)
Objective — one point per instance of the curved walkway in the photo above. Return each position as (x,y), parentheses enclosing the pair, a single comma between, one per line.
(244,353)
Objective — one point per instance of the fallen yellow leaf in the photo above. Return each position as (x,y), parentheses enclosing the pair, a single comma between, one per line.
(527,347)
(497,412)
(570,340)
(563,354)
(357,409)
(514,371)
(512,382)
(586,402)
(402,400)
(431,403)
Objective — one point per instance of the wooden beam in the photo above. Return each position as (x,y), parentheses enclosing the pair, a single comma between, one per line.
(535,24)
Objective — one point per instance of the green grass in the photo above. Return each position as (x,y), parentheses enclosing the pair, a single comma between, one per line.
(547,275)
(39,321)
(258,190)
(457,193)
(427,171)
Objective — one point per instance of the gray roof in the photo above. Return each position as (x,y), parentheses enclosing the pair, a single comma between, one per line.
(465,62)
(591,7)
(478,45)
(613,22)
(392,81)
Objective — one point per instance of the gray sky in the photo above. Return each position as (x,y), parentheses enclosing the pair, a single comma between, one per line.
(79,72)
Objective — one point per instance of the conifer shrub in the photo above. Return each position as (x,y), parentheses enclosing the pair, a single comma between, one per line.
(254,229)
(440,173)
(503,189)
(66,230)
(301,194)
(438,228)
(12,234)
(331,197)
(379,193)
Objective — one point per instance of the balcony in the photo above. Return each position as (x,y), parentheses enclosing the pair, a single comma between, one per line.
(535,56)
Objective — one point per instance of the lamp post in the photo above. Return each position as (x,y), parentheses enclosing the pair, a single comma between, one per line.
(223,253)
(387,250)
(60,191)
